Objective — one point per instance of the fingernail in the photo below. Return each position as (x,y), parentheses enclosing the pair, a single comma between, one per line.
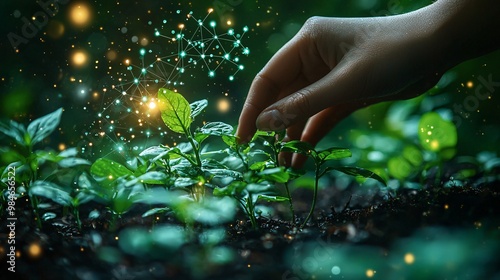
(270,120)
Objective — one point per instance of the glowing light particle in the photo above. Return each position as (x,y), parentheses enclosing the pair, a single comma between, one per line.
(79,58)
(35,250)
(370,273)
(409,258)
(223,105)
(213,24)
(152,105)
(211,74)
(335,270)
(80,15)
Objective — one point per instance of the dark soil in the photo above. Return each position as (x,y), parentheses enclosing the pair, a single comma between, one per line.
(69,253)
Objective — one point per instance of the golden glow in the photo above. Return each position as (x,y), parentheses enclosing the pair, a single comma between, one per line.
(35,250)
(79,58)
(470,84)
(111,55)
(152,105)
(55,29)
(223,105)
(229,22)
(181,26)
(435,145)
(370,273)
(62,147)
(409,258)
(210,10)
(80,14)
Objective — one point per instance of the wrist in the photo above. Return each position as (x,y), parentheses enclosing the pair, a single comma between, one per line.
(463,29)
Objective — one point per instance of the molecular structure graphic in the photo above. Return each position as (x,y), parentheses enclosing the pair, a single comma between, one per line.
(195,45)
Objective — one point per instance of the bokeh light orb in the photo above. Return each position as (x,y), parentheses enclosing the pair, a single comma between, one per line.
(223,105)
(79,58)
(55,29)
(80,14)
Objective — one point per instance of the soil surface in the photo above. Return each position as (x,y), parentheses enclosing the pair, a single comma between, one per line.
(276,251)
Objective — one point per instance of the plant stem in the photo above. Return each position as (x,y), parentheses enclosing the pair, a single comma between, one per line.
(34,205)
(315,195)
(290,202)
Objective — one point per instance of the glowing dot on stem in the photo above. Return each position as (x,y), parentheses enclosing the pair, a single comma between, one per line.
(211,74)
(213,24)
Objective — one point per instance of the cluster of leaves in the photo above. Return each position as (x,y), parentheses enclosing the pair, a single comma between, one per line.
(40,173)
(195,179)
(198,181)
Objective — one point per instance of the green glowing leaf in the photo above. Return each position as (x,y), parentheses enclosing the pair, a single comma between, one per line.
(106,168)
(435,133)
(175,110)
(400,168)
(334,154)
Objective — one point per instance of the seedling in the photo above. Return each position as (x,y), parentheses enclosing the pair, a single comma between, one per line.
(30,163)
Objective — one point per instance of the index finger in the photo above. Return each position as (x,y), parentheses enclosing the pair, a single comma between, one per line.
(283,68)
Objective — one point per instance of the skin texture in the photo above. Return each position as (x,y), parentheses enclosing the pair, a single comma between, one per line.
(335,66)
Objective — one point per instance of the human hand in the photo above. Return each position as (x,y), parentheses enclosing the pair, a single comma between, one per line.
(334,66)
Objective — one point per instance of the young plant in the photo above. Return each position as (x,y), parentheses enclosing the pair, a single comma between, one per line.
(320,158)
(30,164)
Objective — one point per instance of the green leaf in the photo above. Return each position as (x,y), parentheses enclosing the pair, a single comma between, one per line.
(435,133)
(217,129)
(233,189)
(51,191)
(334,154)
(175,110)
(42,127)
(357,172)
(155,211)
(225,173)
(70,152)
(153,177)
(296,146)
(400,168)
(73,161)
(183,182)
(88,184)
(197,107)
(153,151)
(272,198)
(413,155)
(277,174)
(230,140)
(14,130)
(109,169)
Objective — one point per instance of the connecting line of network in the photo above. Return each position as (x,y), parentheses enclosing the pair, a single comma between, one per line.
(195,45)
(203,47)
